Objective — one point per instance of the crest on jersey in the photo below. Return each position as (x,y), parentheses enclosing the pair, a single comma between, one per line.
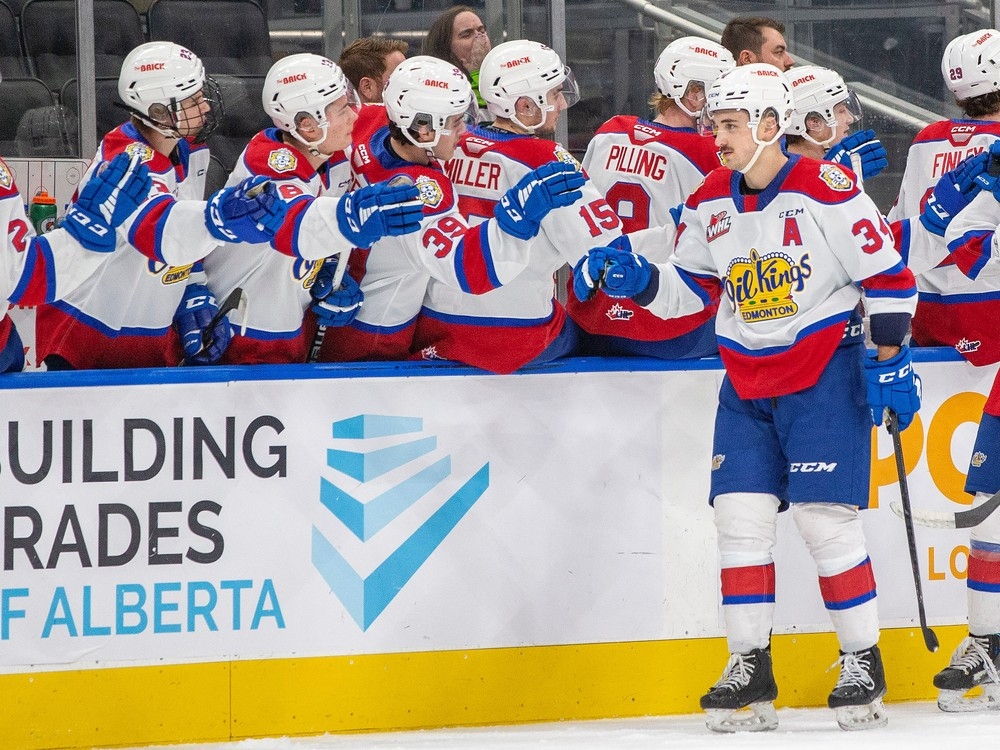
(978,459)
(761,287)
(835,177)
(306,271)
(282,160)
(429,191)
(6,178)
(563,155)
(144,152)
(617,312)
(718,225)
(717,460)
(169,274)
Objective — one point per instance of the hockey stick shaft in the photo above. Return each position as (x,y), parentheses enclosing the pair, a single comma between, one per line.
(236,299)
(892,425)
(856,166)
(338,276)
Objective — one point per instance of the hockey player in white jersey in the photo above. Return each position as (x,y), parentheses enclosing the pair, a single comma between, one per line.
(793,242)
(306,157)
(951,311)
(145,306)
(646,169)
(526,87)
(35,270)
(427,102)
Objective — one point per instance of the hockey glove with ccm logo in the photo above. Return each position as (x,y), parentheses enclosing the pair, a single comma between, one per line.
(863,143)
(953,192)
(894,385)
(366,215)
(249,212)
(621,274)
(112,194)
(194,315)
(335,307)
(522,208)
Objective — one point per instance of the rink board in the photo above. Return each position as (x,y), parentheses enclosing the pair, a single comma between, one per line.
(195,555)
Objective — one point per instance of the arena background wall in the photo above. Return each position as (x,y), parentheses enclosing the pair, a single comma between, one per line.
(199,555)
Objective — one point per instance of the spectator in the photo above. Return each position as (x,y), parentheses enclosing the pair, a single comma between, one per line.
(367,63)
(459,37)
(757,39)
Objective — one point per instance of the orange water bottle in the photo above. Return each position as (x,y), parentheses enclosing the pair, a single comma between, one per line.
(43,211)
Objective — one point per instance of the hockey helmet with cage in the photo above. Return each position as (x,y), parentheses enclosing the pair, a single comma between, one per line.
(424,92)
(156,77)
(756,89)
(816,92)
(971,64)
(688,60)
(303,85)
(523,68)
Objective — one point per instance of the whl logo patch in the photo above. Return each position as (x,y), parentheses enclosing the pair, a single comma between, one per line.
(391,499)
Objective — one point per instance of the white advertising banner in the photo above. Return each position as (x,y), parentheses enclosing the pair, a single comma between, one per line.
(183,522)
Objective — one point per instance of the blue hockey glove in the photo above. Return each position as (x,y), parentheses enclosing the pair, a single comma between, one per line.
(335,307)
(953,192)
(619,273)
(522,208)
(249,212)
(989,179)
(893,384)
(193,317)
(863,143)
(112,194)
(366,215)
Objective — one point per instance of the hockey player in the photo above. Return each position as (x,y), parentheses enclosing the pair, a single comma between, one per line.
(35,270)
(526,87)
(952,311)
(427,101)
(146,304)
(973,242)
(792,242)
(646,169)
(313,106)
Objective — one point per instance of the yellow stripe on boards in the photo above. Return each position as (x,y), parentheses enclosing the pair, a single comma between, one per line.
(277,697)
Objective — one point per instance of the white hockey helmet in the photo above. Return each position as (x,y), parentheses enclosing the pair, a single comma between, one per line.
(971,64)
(524,68)
(303,85)
(157,76)
(816,92)
(424,91)
(756,89)
(688,60)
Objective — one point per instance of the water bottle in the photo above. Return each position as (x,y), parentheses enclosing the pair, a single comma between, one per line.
(43,211)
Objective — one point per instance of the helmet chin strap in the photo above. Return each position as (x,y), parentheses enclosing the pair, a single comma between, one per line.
(761,145)
(313,146)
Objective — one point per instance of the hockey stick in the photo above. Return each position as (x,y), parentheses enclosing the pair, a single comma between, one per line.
(856,166)
(892,425)
(338,276)
(237,300)
(960,519)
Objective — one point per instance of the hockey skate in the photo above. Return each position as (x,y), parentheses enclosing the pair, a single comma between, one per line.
(746,682)
(857,697)
(975,663)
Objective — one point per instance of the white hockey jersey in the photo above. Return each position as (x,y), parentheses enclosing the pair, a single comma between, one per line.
(508,327)
(790,260)
(121,316)
(951,311)
(644,169)
(395,272)
(277,276)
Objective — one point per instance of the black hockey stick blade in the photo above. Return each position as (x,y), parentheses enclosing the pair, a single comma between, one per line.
(892,425)
(959,519)
(237,300)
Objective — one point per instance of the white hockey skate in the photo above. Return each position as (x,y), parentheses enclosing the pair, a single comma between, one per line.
(746,683)
(857,697)
(975,663)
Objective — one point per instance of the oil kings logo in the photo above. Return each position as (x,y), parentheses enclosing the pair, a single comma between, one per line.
(429,191)
(385,473)
(718,225)
(835,178)
(6,180)
(144,152)
(282,160)
(760,287)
